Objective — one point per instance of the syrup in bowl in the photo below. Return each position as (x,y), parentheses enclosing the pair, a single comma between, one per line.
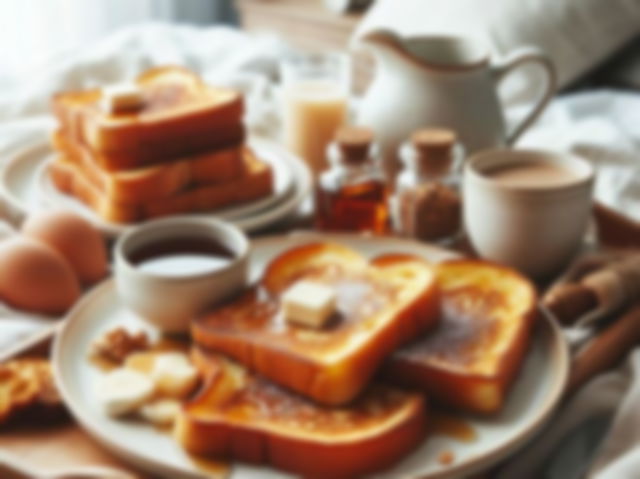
(167,271)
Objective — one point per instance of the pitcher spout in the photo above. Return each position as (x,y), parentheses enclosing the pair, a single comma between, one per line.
(384,39)
(388,45)
(431,51)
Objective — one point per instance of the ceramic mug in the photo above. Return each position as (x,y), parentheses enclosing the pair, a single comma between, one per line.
(171,301)
(535,228)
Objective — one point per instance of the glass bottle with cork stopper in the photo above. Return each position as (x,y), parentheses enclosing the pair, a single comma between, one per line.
(352,195)
(427,202)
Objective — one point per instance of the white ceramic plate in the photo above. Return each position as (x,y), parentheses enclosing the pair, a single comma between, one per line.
(530,403)
(26,186)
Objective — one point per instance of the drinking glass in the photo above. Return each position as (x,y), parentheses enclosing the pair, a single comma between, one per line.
(315,103)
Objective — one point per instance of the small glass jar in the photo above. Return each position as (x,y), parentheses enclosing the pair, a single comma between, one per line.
(352,194)
(427,202)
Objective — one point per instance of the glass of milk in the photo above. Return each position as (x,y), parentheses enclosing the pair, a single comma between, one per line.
(315,101)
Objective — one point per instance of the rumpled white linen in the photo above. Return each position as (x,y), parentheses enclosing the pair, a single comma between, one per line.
(595,435)
(603,125)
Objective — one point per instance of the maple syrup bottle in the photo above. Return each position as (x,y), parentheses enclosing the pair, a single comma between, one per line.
(352,194)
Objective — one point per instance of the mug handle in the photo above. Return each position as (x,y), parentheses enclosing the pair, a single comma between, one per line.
(515,60)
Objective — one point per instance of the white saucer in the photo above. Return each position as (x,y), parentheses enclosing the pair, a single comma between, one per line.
(26,186)
(532,400)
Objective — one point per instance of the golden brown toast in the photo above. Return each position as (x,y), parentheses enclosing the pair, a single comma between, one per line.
(124,160)
(152,182)
(256,183)
(472,357)
(28,391)
(381,305)
(239,415)
(181,115)
(232,137)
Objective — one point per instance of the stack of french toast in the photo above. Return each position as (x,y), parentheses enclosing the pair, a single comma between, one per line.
(165,144)
(347,391)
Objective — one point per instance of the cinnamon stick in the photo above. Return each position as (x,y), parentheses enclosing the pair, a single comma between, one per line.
(606,350)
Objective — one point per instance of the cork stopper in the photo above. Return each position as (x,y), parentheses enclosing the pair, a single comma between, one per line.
(354,143)
(434,149)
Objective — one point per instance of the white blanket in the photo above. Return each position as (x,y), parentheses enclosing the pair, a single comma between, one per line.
(605,126)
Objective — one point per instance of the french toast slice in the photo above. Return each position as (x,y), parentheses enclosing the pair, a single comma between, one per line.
(152,182)
(133,160)
(472,357)
(240,415)
(380,305)
(180,115)
(255,183)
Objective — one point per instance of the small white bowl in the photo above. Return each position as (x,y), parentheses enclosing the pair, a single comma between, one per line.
(535,229)
(169,301)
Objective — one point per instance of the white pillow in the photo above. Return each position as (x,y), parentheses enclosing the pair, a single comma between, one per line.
(577,34)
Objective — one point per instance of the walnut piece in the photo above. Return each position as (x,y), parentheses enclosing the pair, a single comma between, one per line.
(115,345)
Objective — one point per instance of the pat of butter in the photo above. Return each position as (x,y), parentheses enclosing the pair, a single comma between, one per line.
(122,97)
(308,303)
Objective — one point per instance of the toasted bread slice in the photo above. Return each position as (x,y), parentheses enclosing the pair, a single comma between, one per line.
(257,182)
(18,390)
(27,386)
(232,137)
(152,182)
(239,415)
(380,306)
(67,178)
(472,357)
(180,115)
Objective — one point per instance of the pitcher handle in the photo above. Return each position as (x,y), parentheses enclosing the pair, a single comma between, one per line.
(515,60)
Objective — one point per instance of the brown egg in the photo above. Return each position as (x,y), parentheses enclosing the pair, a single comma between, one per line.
(74,238)
(35,277)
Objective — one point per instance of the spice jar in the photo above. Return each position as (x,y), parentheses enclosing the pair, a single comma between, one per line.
(352,195)
(427,203)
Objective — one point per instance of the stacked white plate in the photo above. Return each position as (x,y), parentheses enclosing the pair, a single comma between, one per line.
(25,185)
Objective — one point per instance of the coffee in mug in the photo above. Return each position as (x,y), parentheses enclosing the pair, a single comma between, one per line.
(527,209)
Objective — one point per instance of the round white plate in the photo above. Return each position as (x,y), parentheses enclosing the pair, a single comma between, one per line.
(534,395)
(26,186)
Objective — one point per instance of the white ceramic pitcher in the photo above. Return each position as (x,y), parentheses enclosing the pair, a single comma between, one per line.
(445,81)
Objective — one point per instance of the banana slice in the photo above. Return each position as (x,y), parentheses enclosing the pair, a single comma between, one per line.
(174,375)
(122,390)
(161,412)
(141,362)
